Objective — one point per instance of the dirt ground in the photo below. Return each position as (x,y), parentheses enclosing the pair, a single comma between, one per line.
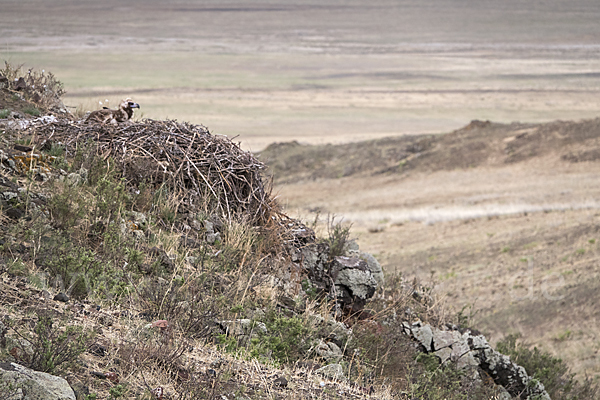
(508,229)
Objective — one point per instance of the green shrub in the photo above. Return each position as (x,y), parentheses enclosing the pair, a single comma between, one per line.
(338,235)
(283,342)
(284,338)
(56,150)
(32,111)
(52,345)
(17,267)
(117,391)
(551,371)
(70,266)
(4,113)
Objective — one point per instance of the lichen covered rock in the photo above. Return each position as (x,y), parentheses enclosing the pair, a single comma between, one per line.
(21,383)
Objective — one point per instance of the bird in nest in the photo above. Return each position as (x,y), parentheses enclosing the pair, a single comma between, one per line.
(108,116)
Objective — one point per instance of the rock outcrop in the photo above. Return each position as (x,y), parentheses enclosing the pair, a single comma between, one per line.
(354,283)
(471,351)
(351,279)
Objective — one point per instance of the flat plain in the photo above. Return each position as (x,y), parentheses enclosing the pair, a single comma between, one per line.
(338,72)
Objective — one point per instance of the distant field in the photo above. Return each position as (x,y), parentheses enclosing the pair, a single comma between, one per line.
(317,72)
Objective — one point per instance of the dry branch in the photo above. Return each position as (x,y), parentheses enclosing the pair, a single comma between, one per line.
(185,157)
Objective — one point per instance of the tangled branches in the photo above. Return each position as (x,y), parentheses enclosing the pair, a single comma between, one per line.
(185,158)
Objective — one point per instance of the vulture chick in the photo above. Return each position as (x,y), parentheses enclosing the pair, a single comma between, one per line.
(108,116)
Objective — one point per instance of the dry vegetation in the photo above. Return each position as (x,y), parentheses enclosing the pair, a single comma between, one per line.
(118,219)
(503,216)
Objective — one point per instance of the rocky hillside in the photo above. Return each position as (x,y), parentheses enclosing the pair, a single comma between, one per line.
(479,144)
(148,260)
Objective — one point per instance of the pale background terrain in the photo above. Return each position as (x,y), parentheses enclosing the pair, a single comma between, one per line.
(318,71)
(339,71)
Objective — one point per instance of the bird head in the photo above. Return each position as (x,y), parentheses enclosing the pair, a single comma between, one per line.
(128,103)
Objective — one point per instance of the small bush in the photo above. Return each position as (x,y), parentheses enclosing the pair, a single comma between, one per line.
(117,391)
(56,150)
(338,235)
(32,111)
(284,340)
(551,371)
(41,87)
(52,345)
(4,113)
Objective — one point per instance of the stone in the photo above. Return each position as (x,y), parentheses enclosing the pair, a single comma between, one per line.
(374,267)
(18,348)
(162,257)
(79,388)
(442,339)
(212,237)
(191,260)
(333,371)
(281,382)
(443,354)
(352,275)
(139,219)
(73,179)
(423,334)
(28,384)
(195,224)
(243,329)
(503,394)
(334,329)
(8,196)
(351,248)
(359,284)
(330,352)
(61,297)
(468,351)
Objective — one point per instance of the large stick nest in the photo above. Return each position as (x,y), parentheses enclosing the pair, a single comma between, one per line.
(186,158)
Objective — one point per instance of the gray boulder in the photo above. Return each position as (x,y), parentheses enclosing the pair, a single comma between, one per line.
(468,350)
(21,383)
(333,371)
(329,351)
(354,282)
(243,329)
(373,266)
